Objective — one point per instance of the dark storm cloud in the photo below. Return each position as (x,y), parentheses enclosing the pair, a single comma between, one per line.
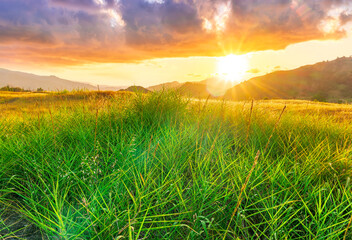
(129,30)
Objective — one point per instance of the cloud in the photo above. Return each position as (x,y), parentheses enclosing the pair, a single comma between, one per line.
(84,4)
(253,70)
(345,18)
(274,24)
(80,31)
(192,75)
(25,34)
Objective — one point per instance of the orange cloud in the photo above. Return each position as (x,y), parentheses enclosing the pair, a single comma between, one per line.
(67,32)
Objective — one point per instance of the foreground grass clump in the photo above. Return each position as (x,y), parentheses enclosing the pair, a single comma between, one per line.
(159,166)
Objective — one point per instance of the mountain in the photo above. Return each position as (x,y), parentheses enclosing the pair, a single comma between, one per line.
(213,86)
(324,81)
(135,89)
(166,86)
(194,89)
(217,86)
(33,82)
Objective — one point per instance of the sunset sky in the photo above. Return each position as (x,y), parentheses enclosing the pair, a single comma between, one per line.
(147,42)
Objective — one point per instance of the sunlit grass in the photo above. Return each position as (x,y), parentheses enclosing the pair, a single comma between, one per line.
(159,166)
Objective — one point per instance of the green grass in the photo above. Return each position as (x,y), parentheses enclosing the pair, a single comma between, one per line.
(159,166)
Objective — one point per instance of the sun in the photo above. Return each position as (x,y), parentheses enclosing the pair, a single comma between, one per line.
(232,67)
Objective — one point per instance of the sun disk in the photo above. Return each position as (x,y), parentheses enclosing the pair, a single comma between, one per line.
(232,67)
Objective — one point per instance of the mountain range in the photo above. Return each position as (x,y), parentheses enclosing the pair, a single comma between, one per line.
(214,87)
(33,82)
(324,81)
(166,86)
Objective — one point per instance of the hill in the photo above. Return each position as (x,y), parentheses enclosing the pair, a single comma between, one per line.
(324,81)
(216,86)
(32,81)
(135,89)
(213,86)
(166,86)
(194,89)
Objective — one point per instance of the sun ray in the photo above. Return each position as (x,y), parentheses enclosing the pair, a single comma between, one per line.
(233,67)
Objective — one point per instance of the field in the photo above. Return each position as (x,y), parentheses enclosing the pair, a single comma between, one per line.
(105,165)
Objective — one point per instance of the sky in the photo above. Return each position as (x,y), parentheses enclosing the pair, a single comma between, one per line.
(147,42)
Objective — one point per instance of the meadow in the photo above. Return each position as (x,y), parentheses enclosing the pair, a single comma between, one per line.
(105,165)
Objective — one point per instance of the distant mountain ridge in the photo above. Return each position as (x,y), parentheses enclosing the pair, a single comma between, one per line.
(33,82)
(138,89)
(213,87)
(165,86)
(324,81)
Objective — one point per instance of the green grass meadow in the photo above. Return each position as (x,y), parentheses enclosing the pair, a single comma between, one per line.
(161,166)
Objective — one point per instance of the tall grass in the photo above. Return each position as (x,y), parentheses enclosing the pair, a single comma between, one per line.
(159,166)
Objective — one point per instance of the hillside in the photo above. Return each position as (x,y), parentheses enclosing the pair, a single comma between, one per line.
(194,89)
(213,86)
(135,89)
(166,86)
(217,87)
(32,82)
(324,81)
